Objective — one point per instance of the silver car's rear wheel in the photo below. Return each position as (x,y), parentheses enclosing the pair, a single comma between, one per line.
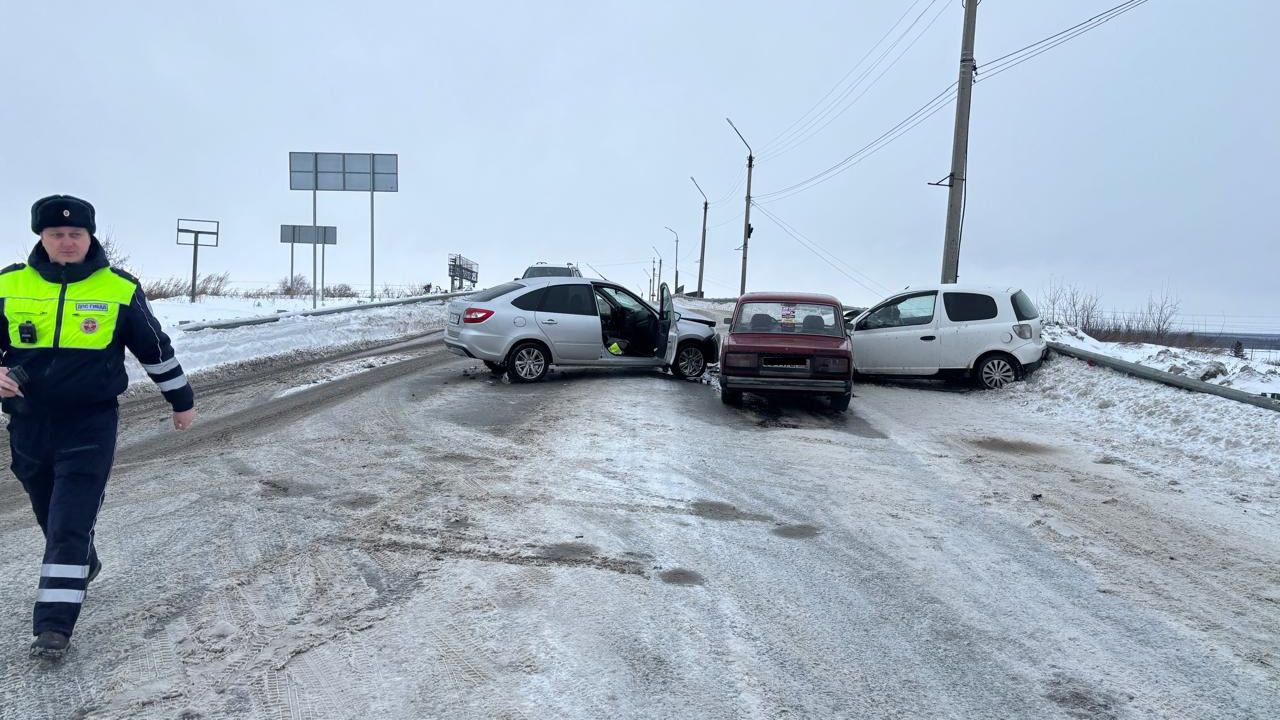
(690,361)
(528,363)
(996,372)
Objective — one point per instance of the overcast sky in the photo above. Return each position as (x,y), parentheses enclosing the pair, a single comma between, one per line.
(1139,156)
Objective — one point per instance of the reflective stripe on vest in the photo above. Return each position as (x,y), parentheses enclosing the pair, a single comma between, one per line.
(90,308)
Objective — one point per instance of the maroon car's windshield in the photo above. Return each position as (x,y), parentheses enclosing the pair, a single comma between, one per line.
(787,318)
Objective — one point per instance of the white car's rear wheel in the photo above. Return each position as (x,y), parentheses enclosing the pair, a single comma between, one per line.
(997,371)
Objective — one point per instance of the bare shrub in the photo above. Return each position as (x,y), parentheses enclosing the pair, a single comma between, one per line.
(1068,304)
(116,257)
(166,288)
(1052,300)
(259,293)
(181,287)
(213,284)
(341,290)
(1160,313)
(295,286)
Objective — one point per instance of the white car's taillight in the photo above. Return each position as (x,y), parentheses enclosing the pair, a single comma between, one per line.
(741,360)
(1023,331)
(831,365)
(476,315)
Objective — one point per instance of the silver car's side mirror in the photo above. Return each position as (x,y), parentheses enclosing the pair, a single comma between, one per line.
(728,321)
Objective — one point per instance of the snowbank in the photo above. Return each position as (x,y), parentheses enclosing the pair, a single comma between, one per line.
(709,309)
(1233,449)
(1218,368)
(204,349)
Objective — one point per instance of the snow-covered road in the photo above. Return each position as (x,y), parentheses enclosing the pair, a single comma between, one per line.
(421,541)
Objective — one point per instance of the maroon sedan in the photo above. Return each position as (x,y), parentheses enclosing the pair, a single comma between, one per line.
(787,343)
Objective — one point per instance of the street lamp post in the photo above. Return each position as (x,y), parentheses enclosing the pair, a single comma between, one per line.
(702,255)
(657,283)
(676,289)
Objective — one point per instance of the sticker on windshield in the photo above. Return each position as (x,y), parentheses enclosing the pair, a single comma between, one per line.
(788,314)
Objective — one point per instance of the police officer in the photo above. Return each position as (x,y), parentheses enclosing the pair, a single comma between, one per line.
(67,317)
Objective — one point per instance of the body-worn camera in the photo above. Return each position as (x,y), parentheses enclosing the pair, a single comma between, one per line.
(27,332)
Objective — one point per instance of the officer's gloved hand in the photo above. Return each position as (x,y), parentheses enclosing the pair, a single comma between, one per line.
(8,386)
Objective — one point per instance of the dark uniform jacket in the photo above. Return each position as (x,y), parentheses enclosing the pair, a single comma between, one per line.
(67,327)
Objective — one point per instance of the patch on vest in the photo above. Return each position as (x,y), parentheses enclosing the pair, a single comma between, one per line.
(89,326)
(91,307)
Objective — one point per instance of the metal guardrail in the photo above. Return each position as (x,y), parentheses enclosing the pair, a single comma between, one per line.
(1168,378)
(264,319)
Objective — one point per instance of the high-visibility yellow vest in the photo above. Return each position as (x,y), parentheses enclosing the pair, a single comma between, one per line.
(80,315)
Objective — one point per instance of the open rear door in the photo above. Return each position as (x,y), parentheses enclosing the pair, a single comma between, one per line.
(668,332)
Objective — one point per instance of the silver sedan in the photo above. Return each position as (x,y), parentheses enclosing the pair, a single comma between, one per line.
(525,327)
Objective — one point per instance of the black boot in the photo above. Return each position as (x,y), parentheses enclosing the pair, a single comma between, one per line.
(50,644)
(93,572)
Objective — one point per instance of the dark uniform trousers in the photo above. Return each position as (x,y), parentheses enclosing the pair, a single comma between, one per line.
(63,459)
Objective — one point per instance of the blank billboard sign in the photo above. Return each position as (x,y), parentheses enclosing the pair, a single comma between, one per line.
(354,172)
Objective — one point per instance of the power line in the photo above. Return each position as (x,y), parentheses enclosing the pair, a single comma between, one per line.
(1001,64)
(877,286)
(837,86)
(736,219)
(1017,57)
(811,247)
(729,195)
(923,113)
(800,139)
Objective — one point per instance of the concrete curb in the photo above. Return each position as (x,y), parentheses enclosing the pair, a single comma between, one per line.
(264,319)
(1160,376)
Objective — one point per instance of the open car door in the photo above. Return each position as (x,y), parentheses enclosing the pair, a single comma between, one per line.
(668,332)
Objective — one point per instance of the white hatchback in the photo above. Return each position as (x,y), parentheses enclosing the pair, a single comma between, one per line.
(991,336)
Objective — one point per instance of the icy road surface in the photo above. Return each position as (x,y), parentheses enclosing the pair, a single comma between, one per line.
(420,541)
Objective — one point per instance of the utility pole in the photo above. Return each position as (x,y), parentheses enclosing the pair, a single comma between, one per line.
(960,149)
(702,255)
(746,220)
(653,268)
(676,289)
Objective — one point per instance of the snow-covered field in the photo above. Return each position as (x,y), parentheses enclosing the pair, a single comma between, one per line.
(205,349)
(1255,375)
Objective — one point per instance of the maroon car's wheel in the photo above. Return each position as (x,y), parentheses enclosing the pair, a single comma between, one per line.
(840,403)
(730,397)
